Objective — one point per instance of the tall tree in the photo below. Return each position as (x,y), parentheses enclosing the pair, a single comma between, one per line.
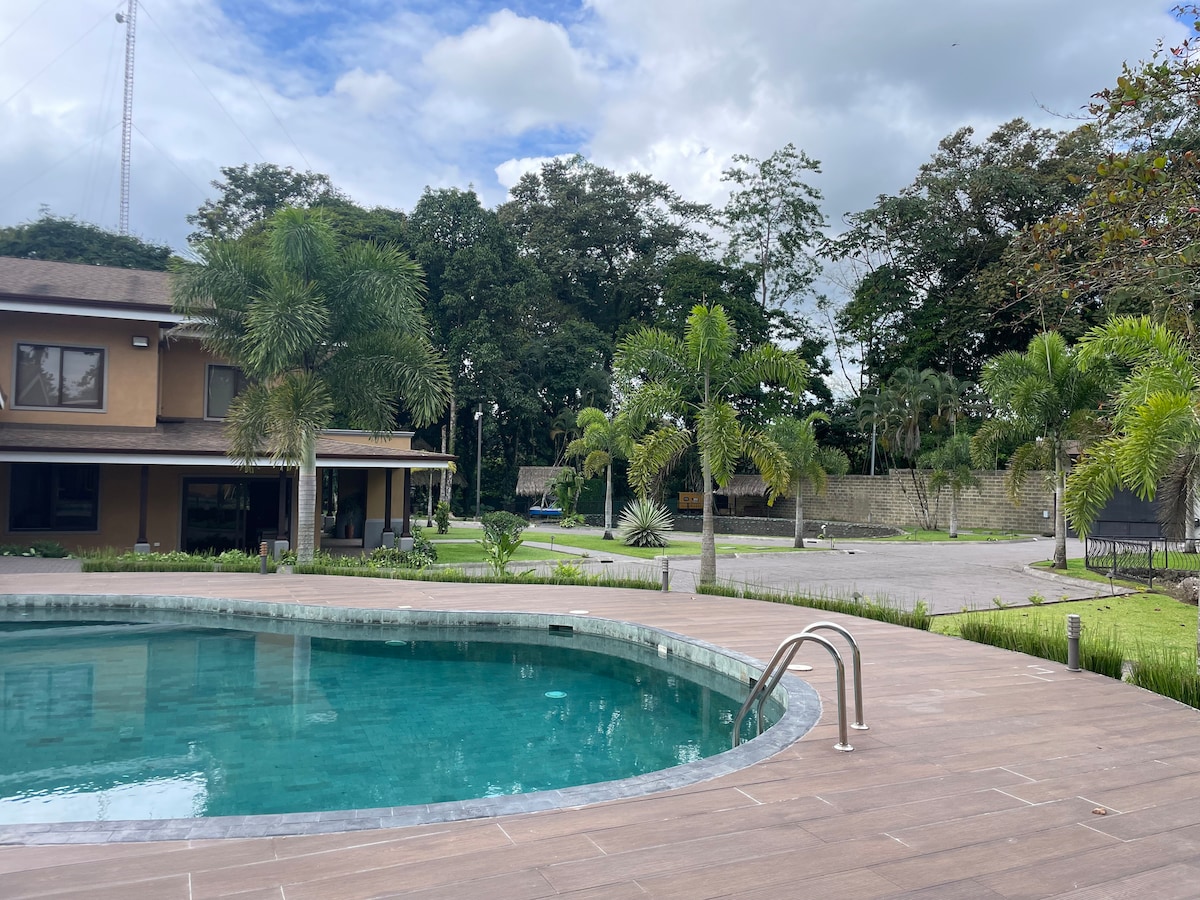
(251,195)
(604,439)
(684,385)
(602,239)
(808,462)
(1129,243)
(321,330)
(1043,398)
(66,240)
(774,222)
(935,286)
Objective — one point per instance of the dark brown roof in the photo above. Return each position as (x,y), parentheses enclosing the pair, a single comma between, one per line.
(74,282)
(176,439)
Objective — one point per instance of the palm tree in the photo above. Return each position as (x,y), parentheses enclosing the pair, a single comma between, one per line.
(320,330)
(950,463)
(1043,398)
(604,440)
(1155,446)
(686,385)
(808,461)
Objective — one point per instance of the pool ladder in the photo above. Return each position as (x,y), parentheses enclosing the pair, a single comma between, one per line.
(778,665)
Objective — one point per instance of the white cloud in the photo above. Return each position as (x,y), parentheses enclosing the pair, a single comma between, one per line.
(387,101)
(370,92)
(517,72)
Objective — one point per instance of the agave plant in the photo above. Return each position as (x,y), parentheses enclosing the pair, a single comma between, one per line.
(644,523)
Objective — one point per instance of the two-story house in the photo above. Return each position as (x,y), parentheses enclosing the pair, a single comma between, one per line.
(111,431)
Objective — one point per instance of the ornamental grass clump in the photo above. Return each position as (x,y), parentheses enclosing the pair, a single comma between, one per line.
(1167,672)
(644,523)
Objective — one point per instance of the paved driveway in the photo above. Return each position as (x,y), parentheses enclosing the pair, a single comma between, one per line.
(946,575)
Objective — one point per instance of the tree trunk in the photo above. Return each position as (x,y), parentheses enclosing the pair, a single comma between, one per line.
(1060,516)
(608,535)
(447,478)
(953,512)
(799,542)
(708,541)
(306,504)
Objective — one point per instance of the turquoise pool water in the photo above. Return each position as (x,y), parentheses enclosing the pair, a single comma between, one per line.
(119,720)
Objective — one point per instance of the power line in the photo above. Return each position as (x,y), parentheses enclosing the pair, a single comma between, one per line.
(24,22)
(52,167)
(196,75)
(39,72)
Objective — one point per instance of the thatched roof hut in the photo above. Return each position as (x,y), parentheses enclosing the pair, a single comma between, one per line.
(537,481)
(744,486)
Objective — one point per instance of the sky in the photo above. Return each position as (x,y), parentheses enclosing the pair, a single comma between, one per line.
(390,96)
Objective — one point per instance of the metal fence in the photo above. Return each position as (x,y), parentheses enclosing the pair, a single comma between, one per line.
(1141,559)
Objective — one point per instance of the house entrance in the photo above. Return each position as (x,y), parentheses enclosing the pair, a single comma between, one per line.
(231,513)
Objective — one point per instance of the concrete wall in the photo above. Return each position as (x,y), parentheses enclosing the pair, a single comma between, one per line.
(888,500)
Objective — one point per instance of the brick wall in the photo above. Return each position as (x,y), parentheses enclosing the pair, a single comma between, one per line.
(887,500)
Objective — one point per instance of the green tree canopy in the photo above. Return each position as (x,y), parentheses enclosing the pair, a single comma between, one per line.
(66,240)
(250,195)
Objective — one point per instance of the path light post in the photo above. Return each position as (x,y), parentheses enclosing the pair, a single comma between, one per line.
(1073,629)
(478,455)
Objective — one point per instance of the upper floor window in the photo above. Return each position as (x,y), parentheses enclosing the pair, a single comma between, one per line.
(224,383)
(49,376)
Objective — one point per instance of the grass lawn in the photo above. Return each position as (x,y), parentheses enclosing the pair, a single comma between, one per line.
(1077,569)
(931,536)
(1145,619)
(592,544)
(458,554)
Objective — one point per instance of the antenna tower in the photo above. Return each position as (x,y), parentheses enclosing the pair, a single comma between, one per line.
(130,19)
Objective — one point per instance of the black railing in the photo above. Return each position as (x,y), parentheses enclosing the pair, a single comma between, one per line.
(1141,559)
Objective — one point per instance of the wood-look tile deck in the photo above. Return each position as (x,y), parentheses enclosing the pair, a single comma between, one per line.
(979,778)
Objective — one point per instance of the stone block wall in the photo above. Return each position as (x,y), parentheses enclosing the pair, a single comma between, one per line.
(888,500)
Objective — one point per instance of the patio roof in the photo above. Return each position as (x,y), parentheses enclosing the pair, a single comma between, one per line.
(187,443)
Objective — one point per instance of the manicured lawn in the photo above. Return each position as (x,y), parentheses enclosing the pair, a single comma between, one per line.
(931,536)
(1139,619)
(458,554)
(594,544)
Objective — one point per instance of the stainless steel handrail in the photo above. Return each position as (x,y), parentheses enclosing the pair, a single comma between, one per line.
(775,670)
(858,723)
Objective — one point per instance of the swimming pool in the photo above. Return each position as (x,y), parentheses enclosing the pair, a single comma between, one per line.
(444,715)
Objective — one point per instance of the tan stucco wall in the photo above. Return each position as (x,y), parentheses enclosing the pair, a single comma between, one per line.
(184,363)
(396,441)
(131,373)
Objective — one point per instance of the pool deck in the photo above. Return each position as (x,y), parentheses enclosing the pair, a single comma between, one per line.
(984,774)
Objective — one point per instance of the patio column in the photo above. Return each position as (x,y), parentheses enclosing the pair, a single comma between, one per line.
(143,544)
(388,538)
(406,538)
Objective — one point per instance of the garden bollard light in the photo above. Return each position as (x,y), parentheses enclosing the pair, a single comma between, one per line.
(666,575)
(262,558)
(1073,629)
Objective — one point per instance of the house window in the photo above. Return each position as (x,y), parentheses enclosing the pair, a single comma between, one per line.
(224,383)
(69,377)
(53,497)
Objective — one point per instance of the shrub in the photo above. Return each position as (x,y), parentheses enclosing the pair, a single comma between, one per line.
(570,520)
(441,515)
(501,522)
(44,549)
(643,523)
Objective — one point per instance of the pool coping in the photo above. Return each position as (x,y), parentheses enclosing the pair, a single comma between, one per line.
(802,712)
